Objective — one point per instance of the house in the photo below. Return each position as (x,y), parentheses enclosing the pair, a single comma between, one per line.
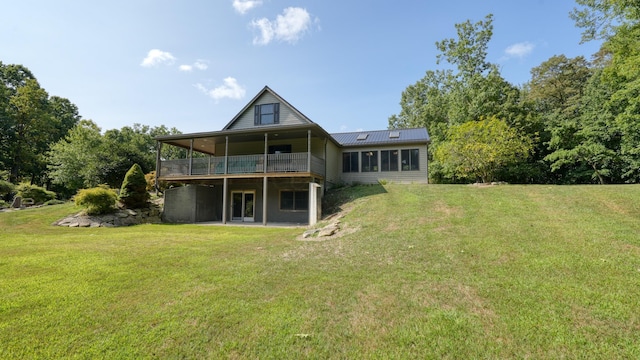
(271,163)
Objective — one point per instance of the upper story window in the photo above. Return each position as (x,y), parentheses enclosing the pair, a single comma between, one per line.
(267,114)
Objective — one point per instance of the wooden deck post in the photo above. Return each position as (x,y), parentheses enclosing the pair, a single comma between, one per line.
(224,200)
(191,158)
(158,160)
(265,153)
(264,201)
(226,154)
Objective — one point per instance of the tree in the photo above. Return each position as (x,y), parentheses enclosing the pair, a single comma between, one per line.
(478,149)
(555,93)
(74,162)
(618,23)
(133,193)
(30,121)
(445,98)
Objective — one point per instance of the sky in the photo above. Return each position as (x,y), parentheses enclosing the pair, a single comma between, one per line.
(194,64)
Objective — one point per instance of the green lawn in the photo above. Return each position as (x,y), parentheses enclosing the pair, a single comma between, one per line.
(433,271)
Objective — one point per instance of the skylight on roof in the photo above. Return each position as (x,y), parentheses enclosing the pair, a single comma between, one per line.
(362,136)
(394,134)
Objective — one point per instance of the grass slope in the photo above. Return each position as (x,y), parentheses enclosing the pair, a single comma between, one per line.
(433,272)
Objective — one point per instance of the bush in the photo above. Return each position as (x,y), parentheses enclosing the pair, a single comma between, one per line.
(133,193)
(53,202)
(6,188)
(37,193)
(97,200)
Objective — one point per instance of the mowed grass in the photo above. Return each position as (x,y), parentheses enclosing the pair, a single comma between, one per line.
(420,271)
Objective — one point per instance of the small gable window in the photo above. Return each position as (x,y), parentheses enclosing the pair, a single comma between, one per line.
(267,114)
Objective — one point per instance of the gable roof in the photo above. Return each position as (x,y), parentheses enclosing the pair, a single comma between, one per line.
(255,98)
(383,137)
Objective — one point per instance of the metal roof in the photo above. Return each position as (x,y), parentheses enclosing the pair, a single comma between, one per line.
(379,137)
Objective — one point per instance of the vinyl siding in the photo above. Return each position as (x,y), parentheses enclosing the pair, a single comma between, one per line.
(287,116)
(395,176)
(334,164)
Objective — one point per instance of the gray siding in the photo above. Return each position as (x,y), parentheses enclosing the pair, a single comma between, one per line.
(287,115)
(395,176)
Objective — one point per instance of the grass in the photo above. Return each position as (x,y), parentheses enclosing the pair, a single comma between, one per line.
(432,272)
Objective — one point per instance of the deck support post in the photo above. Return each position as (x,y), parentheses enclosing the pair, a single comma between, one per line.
(191,157)
(265,152)
(226,154)
(264,201)
(158,160)
(224,200)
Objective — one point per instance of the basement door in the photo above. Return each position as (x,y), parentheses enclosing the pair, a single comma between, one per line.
(242,206)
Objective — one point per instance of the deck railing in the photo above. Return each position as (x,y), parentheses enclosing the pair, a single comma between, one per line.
(242,164)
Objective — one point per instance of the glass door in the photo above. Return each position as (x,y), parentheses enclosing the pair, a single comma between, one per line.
(242,206)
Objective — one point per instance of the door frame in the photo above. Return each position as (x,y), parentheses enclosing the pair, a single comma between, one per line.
(243,208)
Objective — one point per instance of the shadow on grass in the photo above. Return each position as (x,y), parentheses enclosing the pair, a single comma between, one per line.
(335,199)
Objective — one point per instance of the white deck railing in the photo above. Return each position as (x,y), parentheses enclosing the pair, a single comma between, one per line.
(242,164)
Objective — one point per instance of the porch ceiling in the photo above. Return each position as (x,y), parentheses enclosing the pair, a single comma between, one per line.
(206,142)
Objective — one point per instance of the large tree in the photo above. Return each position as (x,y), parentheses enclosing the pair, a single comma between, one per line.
(444,98)
(617,22)
(30,121)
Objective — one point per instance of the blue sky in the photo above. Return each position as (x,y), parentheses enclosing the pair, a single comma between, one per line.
(193,64)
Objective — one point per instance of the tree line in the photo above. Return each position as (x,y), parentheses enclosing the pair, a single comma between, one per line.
(576,121)
(44,140)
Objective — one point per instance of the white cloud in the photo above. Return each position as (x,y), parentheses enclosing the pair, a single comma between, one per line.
(519,50)
(230,90)
(242,6)
(156,57)
(290,26)
(199,64)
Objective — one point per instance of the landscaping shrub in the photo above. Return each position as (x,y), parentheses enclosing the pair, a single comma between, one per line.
(133,193)
(37,193)
(97,200)
(6,188)
(53,202)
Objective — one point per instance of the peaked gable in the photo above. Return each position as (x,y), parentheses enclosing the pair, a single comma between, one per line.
(267,109)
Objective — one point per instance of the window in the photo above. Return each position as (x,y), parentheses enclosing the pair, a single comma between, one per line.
(350,162)
(369,161)
(291,200)
(389,160)
(266,114)
(410,160)
(280,149)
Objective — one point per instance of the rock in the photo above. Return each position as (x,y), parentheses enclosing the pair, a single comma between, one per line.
(17,202)
(328,230)
(308,233)
(131,212)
